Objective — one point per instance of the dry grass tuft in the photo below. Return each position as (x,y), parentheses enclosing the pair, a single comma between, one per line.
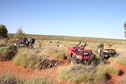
(102,68)
(60,55)
(82,73)
(6,53)
(77,73)
(121,58)
(29,59)
(51,51)
(36,81)
(11,79)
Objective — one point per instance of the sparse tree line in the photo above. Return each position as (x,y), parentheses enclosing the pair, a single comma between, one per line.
(4,32)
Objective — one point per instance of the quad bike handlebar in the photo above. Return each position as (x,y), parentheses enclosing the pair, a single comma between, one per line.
(85,45)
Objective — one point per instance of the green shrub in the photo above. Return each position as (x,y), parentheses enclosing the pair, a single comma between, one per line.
(10,79)
(3,31)
(60,55)
(29,59)
(6,53)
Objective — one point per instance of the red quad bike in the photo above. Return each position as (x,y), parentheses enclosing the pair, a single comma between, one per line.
(79,54)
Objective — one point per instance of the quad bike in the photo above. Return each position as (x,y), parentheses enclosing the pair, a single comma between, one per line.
(79,54)
(24,42)
(106,51)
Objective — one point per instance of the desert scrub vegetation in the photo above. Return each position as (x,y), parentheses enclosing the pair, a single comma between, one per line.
(3,42)
(61,55)
(11,41)
(120,60)
(12,79)
(6,53)
(29,59)
(51,51)
(73,39)
(82,73)
(77,73)
(36,81)
(57,53)
(107,69)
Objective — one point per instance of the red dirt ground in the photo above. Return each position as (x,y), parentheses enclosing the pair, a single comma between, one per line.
(50,74)
(117,79)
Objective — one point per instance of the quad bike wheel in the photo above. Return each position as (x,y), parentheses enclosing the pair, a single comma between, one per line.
(103,58)
(92,61)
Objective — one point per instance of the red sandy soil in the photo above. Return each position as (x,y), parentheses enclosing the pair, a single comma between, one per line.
(50,74)
(117,79)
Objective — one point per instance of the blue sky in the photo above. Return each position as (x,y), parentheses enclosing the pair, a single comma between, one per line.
(86,18)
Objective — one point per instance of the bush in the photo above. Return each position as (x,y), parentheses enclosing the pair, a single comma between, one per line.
(6,53)
(29,59)
(99,76)
(3,31)
(76,73)
(19,34)
(82,73)
(60,55)
(10,79)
